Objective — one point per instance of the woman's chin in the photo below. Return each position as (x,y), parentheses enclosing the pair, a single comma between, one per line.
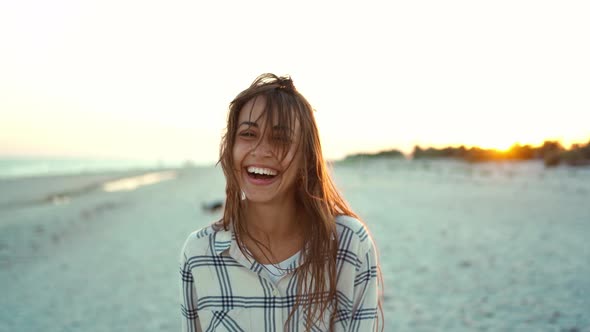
(259,198)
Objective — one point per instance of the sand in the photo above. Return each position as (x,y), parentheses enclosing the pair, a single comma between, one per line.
(490,247)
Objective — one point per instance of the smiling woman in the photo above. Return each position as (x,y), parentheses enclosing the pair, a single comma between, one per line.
(288,253)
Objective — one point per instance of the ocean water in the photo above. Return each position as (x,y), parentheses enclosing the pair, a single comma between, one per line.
(20,167)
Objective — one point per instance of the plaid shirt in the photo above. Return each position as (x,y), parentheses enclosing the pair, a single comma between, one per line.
(221,290)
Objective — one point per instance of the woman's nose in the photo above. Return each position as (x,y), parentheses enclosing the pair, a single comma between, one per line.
(262,149)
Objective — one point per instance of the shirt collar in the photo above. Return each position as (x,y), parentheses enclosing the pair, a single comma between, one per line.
(225,240)
(222,240)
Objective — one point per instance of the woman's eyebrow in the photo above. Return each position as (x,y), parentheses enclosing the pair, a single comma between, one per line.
(283,130)
(278,127)
(249,124)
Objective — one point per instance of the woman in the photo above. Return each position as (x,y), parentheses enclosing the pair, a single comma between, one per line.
(288,253)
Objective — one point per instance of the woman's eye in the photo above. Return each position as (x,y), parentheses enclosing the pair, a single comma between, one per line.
(247,134)
(283,139)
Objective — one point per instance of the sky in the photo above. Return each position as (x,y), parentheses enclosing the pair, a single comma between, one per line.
(153,79)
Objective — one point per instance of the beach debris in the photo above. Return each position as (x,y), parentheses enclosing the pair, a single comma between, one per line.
(98,209)
(39,229)
(465,264)
(212,207)
(554,317)
(58,199)
(573,329)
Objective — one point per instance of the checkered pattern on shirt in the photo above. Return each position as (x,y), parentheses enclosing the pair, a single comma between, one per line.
(221,290)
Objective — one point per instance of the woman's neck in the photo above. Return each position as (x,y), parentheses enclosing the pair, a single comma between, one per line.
(274,231)
(274,221)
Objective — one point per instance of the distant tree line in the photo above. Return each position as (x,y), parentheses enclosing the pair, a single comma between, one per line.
(552,153)
(381,154)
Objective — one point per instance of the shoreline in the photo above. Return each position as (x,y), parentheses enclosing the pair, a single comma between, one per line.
(58,189)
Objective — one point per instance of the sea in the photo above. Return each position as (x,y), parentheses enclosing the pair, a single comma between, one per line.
(26,167)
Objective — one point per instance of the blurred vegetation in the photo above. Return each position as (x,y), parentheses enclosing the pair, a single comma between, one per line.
(381,154)
(551,152)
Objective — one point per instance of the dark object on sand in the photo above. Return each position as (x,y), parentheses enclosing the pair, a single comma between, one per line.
(212,207)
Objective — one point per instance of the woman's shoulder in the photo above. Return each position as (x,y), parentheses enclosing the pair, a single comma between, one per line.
(199,241)
(354,231)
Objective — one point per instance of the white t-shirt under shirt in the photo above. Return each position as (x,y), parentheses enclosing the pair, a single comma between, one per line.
(276,271)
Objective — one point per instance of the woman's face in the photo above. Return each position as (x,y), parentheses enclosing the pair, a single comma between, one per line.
(261,173)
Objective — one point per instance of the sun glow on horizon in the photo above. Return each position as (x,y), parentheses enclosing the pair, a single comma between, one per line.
(507,144)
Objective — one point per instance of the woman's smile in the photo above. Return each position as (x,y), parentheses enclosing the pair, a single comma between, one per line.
(260,175)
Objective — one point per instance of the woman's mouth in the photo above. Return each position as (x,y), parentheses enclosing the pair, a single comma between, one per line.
(261,175)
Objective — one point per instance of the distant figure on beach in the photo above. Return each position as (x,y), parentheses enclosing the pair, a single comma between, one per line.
(288,254)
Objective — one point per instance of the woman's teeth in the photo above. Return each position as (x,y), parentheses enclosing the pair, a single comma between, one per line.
(261,171)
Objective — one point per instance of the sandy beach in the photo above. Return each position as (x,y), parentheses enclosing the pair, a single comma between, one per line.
(487,247)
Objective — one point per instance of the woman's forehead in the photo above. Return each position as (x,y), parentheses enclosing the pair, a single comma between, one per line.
(253,112)
(253,109)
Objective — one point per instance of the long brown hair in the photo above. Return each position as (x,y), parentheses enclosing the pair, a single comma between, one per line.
(316,193)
